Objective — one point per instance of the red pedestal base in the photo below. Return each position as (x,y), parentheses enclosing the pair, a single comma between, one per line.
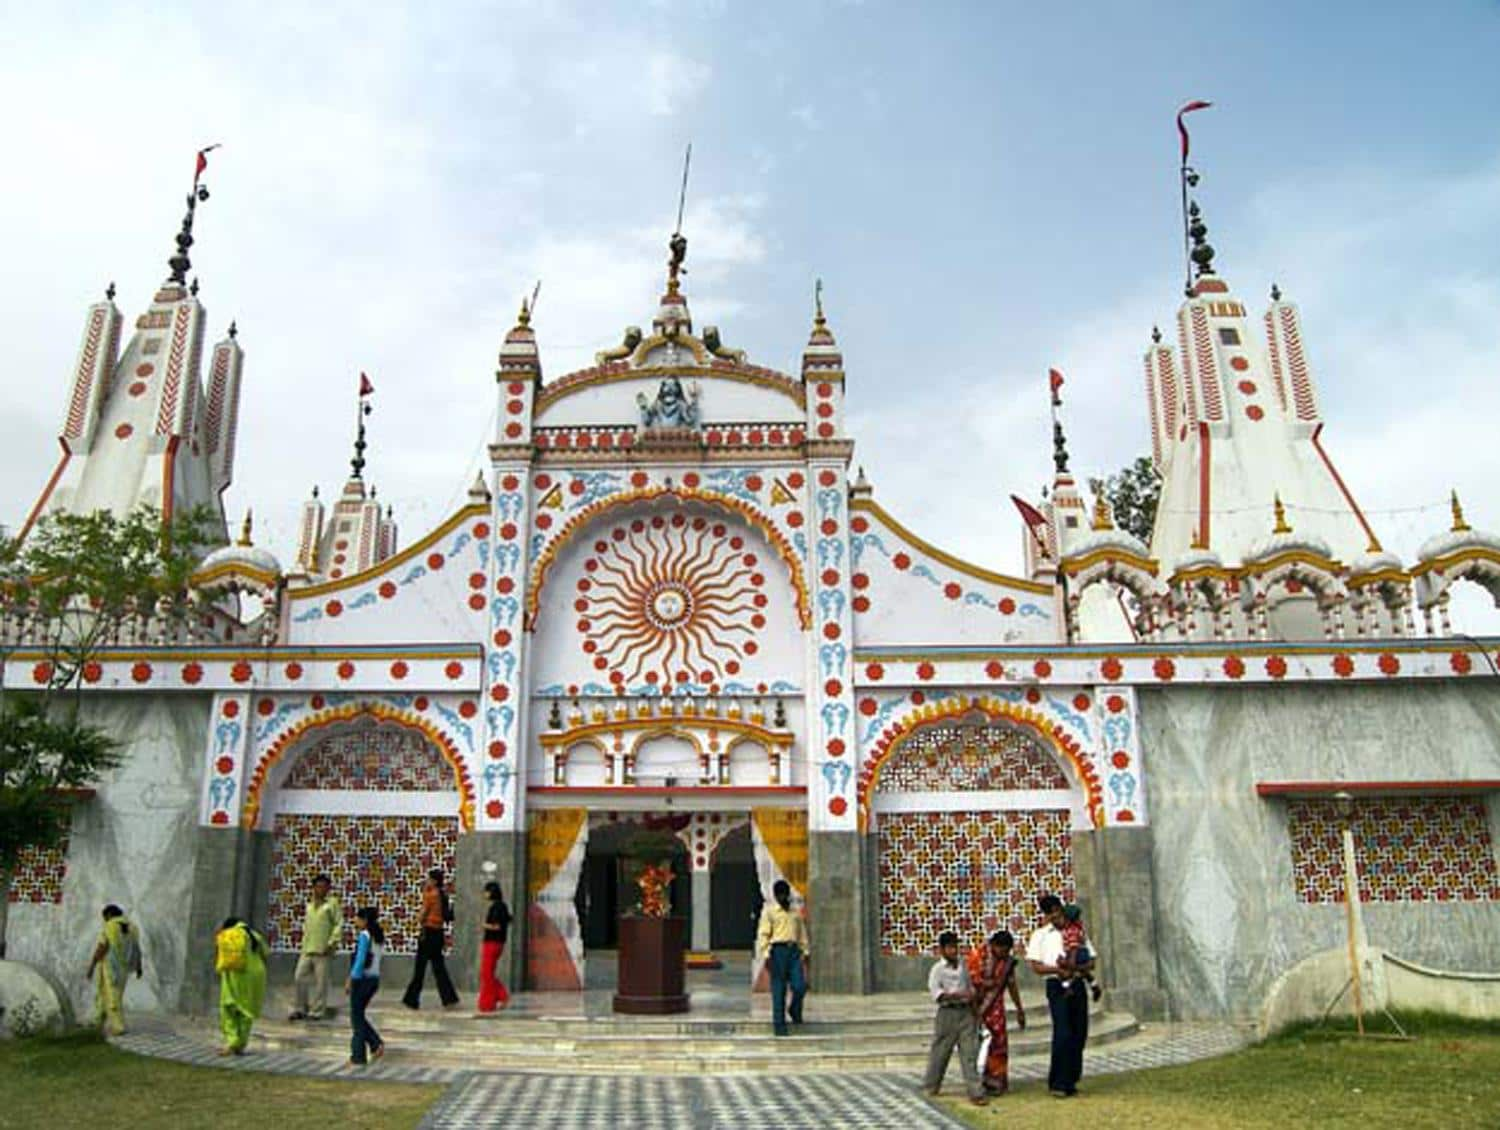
(652,975)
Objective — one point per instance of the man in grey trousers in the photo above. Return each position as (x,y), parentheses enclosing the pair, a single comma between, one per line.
(953,993)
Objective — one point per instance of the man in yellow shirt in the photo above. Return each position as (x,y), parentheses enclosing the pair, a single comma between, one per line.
(322,931)
(782,938)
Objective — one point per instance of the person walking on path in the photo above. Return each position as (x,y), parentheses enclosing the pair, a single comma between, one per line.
(997,976)
(492,991)
(240,961)
(782,940)
(437,912)
(362,985)
(117,954)
(1046,953)
(322,931)
(953,992)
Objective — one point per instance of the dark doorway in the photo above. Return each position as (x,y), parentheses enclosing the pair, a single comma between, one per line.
(606,886)
(736,898)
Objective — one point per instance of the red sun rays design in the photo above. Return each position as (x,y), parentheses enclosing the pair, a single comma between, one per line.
(673,601)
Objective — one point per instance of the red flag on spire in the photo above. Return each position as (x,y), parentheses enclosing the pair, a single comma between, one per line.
(1054,379)
(365,387)
(202,162)
(1182,129)
(1035,521)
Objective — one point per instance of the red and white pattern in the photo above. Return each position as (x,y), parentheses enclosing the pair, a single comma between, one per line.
(379,759)
(1407,849)
(970,872)
(970,757)
(39,874)
(674,600)
(377,861)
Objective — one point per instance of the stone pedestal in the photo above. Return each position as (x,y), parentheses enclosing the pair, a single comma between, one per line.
(507,851)
(652,975)
(839,908)
(1116,887)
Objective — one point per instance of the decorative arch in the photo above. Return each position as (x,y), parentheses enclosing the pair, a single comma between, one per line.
(352,712)
(1052,735)
(714,499)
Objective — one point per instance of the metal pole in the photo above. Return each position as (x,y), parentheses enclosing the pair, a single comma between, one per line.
(1351,896)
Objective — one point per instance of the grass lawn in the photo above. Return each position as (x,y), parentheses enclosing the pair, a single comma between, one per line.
(1448,1076)
(82,1081)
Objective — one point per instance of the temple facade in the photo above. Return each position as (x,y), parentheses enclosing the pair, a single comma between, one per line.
(674,605)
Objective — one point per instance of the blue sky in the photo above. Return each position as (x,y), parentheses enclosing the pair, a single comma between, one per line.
(985,189)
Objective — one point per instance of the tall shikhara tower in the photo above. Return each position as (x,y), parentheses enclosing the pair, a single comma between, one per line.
(140,426)
(1235,425)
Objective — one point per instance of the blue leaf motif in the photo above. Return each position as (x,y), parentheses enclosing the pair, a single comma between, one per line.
(832,656)
(835,717)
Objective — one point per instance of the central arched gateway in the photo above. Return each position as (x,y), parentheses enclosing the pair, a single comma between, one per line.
(973,818)
(372,804)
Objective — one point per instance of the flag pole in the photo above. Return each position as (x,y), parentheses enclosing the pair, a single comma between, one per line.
(1188,177)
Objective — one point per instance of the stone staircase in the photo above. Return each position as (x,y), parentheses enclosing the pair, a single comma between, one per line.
(887,1032)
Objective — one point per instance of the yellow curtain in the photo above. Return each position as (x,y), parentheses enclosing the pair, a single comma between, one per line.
(784,831)
(551,837)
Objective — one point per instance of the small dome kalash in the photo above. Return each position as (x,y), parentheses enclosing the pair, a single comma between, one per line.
(241,565)
(1284,541)
(1463,553)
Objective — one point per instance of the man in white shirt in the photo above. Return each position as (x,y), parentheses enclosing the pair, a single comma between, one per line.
(1069,1006)
(953,993)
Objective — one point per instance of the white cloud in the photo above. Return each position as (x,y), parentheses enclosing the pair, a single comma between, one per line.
(672,80)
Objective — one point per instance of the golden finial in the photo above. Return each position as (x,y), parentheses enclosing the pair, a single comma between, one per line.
(1103,520)
(1459,525)
(245,529)
(1281,523)
(524,317)
(1198,541)
(1374,546)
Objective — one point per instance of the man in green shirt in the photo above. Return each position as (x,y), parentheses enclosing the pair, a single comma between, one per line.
(322,931)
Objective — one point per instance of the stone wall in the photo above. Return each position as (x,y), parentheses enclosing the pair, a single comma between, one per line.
(1229,919)
(134,843)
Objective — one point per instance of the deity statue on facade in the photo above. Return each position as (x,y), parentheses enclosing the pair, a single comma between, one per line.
(674,406)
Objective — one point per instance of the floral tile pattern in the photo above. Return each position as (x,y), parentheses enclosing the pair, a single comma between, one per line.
(1407,849)
(379,759)
(38,877)
(967,757)
(375,861)
(971,872)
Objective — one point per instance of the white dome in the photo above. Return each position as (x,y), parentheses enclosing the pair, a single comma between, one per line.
(1197,559)
(1376,561)
(247,557)
(1451,541)
(1288,542)
(1097,540)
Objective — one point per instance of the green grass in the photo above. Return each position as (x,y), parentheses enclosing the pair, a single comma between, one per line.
(1448,1076)
(81,1081)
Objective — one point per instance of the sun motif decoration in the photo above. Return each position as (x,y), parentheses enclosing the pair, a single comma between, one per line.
(670,601)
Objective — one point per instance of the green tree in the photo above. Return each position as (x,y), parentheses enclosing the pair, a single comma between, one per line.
(1132,493)
(77,584)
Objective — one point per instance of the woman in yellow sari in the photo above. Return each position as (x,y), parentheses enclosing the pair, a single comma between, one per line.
(240,961)
(117,955)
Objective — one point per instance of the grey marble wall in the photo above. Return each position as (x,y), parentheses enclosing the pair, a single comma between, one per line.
(132,844)
(1227,917)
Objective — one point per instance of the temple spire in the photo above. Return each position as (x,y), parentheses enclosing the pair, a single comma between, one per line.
(180,262)
(363,409)
(677,245)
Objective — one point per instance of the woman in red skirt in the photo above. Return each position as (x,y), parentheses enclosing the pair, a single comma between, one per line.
(492,994)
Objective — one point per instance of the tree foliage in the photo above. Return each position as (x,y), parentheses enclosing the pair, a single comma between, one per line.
(1132,493)
(66,592)
(79,579)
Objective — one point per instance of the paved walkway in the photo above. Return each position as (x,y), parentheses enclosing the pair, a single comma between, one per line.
(491,1099)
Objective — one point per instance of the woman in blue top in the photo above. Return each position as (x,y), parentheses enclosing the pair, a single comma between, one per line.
(362,985)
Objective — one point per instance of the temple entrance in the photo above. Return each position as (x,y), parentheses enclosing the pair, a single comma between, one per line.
(736,899)
(606,884)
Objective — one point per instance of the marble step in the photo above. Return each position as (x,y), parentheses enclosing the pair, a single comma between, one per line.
(746,1054)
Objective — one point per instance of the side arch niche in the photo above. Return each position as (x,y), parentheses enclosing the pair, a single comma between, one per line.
(973,818)
(372,804)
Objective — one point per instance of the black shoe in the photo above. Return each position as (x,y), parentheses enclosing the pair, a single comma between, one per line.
(780,1032)
(410,1004)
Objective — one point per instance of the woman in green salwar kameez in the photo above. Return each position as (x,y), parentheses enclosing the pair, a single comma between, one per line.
(240,960)
(117,955)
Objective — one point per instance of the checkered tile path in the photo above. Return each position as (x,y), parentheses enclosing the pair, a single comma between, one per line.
(859,1102)
(768,1102)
